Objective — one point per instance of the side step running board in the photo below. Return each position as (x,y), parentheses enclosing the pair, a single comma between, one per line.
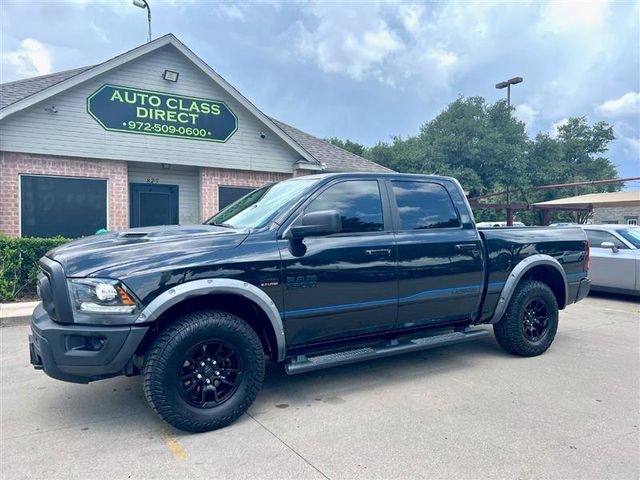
(303,363)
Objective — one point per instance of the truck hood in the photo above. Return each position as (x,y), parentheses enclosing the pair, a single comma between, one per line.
(139,248)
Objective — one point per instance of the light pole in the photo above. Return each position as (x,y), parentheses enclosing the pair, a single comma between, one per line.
(145,4)
(500,86)
(507,84)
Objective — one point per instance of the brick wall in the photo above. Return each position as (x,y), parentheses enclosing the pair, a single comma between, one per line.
(212,178)
(12,165)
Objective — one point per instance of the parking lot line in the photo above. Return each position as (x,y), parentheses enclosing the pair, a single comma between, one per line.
(172,443)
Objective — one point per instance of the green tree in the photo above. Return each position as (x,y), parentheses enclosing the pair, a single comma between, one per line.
(481,145)
(486,147)
(348,145)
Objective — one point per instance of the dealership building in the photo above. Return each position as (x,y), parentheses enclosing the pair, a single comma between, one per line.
(153,136)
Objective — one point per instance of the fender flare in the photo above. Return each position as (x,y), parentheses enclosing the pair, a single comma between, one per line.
(197,288)
(520,271)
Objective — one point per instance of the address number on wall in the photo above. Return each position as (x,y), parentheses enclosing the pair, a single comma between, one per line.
(152,180)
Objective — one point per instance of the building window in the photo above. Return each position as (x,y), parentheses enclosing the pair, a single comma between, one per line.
(65,206)
(631,220)
(228,195)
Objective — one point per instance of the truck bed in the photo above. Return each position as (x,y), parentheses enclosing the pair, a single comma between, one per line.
(505,247)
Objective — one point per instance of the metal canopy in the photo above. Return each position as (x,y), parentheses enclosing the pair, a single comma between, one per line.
(630,198)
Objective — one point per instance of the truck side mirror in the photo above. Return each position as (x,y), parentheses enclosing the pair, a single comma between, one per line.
(610,245)
(316,224)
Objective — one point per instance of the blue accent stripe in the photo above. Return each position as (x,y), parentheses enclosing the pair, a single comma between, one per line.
(440,290)
(385,302)
(583,274)
(338,307)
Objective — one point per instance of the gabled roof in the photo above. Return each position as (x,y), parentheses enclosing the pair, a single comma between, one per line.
(316,154)
(12,92)
(335,158)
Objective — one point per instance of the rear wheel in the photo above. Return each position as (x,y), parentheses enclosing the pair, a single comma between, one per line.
(204,371)
(530,323)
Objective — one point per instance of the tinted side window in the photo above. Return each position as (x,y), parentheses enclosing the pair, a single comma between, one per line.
(596,237)
(424,205)
(357,202)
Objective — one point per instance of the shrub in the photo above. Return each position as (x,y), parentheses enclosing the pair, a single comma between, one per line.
(19,264)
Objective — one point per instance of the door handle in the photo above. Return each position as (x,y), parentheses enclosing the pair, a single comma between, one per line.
(466,246)
(378,251)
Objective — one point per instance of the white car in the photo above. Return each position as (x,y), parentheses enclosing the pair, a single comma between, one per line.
(498,224)
(615,258)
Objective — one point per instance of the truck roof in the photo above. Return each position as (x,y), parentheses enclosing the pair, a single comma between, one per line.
(378,175)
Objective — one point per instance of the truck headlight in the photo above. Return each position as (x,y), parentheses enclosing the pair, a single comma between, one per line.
(101,295)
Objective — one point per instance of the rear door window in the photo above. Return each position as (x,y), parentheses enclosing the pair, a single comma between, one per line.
(424,206)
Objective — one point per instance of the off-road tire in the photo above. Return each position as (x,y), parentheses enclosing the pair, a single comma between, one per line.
(160,370)
(510,331)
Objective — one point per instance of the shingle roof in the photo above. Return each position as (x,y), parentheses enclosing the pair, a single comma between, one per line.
(11,92)
(335,159)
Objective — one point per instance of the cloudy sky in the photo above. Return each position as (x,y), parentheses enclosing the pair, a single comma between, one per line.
(368,70)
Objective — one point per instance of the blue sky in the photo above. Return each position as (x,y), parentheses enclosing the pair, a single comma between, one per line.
(368,70)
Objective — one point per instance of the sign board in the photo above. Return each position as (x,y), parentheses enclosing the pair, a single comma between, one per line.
(131,110)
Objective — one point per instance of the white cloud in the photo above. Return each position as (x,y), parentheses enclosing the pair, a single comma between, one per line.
(32,58)
(526,113)
(444,59)
(411,16)
(561,16)
(337,47)
(633,147)
(627,104)
(235,12)
(556,125)
(99,32)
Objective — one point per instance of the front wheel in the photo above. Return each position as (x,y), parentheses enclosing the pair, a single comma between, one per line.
(204,371)
(530,323)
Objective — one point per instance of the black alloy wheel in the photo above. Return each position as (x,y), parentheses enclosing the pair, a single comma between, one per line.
(535,319)
(209,374)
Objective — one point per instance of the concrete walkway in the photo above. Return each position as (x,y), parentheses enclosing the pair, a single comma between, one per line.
(461,412)
(18,313)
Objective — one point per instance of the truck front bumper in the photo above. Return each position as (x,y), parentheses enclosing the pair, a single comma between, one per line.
(81,353)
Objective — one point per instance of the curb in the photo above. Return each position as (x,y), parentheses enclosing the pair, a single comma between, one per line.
(14,321)
(14,314)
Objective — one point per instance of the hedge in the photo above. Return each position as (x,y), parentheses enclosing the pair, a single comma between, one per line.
(19,264)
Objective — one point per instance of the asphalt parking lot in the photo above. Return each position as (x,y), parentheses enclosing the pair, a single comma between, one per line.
(466,411)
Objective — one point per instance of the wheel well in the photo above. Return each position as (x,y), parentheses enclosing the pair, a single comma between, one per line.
(236,304)
(552,278)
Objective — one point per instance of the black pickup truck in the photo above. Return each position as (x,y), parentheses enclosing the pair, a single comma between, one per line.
(314,272)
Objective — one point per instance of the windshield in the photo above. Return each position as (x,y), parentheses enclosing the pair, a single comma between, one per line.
(257,208)
(631,235)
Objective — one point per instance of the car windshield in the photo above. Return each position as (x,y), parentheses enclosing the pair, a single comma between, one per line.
(631,235)
(257,208)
